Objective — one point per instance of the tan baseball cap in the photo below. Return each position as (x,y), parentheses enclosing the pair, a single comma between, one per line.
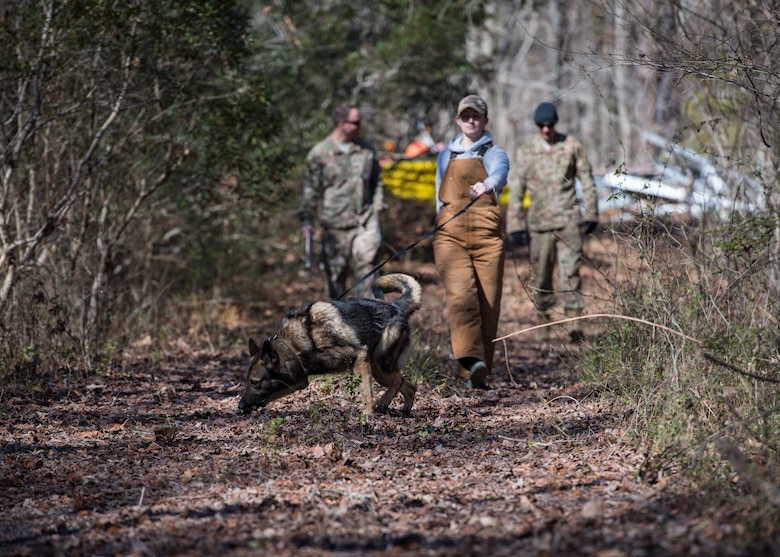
(475,102)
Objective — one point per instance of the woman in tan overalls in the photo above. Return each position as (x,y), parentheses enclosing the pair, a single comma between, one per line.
(469,249)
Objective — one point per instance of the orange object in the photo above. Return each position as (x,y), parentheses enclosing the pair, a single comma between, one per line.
(416,148)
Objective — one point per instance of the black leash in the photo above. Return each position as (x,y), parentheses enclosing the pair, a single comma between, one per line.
(407,248)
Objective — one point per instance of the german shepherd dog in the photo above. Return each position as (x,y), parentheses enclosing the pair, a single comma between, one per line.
(370,336)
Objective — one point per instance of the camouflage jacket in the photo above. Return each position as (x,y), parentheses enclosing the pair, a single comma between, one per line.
(345,182)
(547,172)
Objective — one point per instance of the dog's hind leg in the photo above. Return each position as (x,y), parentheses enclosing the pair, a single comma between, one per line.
(393,381)
(408,390)
(363,370)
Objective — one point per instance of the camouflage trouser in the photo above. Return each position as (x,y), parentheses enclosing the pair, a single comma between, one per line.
(351,247)
(565,245)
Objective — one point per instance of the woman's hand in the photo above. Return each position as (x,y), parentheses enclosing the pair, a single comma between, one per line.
(480,188)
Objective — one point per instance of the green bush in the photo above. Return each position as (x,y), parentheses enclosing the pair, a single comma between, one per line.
(699,367)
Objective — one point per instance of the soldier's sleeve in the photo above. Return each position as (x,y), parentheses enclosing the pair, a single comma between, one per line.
(378,187)
(312,183)
(590,200)
(515,213)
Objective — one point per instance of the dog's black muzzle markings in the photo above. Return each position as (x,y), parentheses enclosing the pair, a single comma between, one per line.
(251,402)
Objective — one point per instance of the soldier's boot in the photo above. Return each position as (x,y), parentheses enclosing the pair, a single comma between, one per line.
(574,328)
(543,335)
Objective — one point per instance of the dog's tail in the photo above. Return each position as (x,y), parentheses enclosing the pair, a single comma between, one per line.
(410,290)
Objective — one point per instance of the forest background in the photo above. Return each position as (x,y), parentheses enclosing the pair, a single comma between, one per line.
(151,153)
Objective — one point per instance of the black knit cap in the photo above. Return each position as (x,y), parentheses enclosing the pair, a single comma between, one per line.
(545,112)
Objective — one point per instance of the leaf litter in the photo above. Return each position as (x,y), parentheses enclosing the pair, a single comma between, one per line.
(154,460)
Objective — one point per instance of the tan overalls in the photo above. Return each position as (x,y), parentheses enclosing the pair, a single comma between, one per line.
(469,253)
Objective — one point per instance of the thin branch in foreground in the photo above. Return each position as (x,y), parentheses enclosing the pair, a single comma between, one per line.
(595,315)
(732,367)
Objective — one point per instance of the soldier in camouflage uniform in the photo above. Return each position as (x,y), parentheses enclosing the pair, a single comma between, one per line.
(546,168)
(343,175)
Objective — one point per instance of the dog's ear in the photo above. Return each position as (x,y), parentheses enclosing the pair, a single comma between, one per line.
(253,348)
(269,354)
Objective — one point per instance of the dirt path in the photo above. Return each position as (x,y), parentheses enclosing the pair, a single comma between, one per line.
(152,460)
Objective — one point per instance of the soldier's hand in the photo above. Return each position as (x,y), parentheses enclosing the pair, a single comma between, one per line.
(307,230)
(588,226)
(520,238)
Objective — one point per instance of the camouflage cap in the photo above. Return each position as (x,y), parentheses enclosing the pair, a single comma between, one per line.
(475,102)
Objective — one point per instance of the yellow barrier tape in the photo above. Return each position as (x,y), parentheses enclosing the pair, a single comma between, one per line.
(416,179)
